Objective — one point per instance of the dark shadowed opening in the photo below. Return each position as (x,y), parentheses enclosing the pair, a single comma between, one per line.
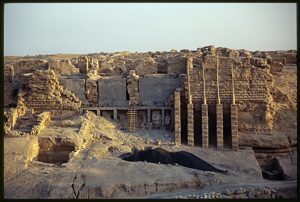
(227,137)
(212,125)
(183,119)
(198,127)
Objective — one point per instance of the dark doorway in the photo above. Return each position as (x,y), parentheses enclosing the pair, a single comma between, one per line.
(198,127)
(183,119)
(127,94)
(212,129)
(227,137)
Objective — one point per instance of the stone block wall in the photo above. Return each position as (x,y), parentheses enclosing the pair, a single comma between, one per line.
(219,111)
(112,92)
(133,87)
(29,66)
(205,126)
(177,118)
(42,92)
(155,90)
(10,97)
(63,67)
(91,91)
(190,119)
(76,85)
(250,84)
(234,126)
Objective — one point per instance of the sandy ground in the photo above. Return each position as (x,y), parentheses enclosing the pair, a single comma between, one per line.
(96,171)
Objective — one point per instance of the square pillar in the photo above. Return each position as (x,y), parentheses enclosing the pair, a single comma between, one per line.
(234,126)
(219,111)
(98,112)
(177,120)
(204,126)
(190,124)
(115,114)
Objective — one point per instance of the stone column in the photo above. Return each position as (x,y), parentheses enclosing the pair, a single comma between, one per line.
(115,114)
(233,116)
(219,111)
(177,120)
(190,124)
(98,112)
(234,126)
(218,85)
(188,67)
(149,124)
(204,113)
(204,126)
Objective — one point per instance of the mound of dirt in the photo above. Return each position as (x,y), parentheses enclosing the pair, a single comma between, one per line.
(160,155)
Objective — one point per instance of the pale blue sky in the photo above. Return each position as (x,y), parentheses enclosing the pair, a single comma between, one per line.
(32,29)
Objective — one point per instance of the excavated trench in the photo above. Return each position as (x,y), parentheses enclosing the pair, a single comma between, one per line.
(54,150)
(269,164)
(159,155)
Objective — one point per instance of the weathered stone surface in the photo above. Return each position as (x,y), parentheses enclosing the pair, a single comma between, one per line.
(76,86)
(42,91)
(43,121)
(63,67)
(112,91)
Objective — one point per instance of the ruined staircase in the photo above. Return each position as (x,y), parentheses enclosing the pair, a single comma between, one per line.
(25,123)
(132,118)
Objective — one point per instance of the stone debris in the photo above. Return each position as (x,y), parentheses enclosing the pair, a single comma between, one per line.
(248,94)
(237,193)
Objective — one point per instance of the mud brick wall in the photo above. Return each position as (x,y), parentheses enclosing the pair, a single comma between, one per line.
(91,92)
(156,90)
(251,87)
(177,119)
(219,111)
(190,119)
(133,87)
(112,92)
(63,67)
(204,126)
(10,90)
(234,126)
(250,84)
(76,86)
(42,92)
(28,66)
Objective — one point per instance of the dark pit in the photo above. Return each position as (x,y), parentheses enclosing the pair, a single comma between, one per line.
(160,155)
(268,162)
(271,169)
(55,151)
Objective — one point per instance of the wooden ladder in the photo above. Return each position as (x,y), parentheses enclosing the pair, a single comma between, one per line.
(132,118)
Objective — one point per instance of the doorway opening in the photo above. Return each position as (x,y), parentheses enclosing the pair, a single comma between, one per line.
(227,136)
(212,126)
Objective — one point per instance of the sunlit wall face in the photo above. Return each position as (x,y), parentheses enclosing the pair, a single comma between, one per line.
(31,29)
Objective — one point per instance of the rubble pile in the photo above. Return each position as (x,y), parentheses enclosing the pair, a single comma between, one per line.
(42,92)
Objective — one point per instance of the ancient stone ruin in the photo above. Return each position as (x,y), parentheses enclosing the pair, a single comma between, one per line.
(235,110)
(206,97)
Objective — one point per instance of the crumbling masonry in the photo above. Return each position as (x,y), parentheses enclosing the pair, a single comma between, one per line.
(205,96)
